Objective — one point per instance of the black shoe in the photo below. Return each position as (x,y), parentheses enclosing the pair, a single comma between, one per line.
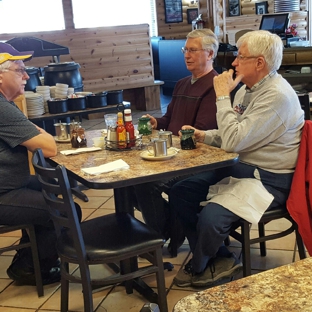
(26,276)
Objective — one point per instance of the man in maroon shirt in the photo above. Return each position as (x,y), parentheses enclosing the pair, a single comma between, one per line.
(193,103)
(193,99)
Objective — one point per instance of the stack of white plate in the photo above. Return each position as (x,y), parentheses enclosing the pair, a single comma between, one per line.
(45,92)
(61,91)
(52,91)
(35,104)
(70,91)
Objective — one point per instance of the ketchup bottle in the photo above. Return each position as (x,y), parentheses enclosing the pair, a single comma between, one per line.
(129,128)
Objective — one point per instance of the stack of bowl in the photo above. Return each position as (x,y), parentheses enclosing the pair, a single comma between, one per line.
(61,90)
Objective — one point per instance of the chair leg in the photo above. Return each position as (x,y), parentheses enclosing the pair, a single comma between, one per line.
(245,228)
(127,266)
(261,231)
(36,263)
(64,288)
(300,245)
(86,287)
(161,288)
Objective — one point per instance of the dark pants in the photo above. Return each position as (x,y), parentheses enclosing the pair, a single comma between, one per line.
(27,205)
(207,227)
(155,209)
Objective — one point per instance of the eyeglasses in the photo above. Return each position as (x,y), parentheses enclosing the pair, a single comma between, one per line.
(191,50)
(21,70)
(241,57)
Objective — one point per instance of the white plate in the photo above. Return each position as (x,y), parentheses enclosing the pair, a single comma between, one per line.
(62,141)
(147,156)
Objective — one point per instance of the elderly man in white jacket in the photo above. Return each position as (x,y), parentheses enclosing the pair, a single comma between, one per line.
(264,126)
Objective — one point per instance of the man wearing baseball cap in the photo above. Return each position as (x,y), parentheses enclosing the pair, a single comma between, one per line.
(21,200)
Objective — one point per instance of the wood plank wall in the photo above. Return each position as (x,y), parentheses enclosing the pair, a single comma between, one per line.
(215,12)
(111,58)
(173,30)
(249,20)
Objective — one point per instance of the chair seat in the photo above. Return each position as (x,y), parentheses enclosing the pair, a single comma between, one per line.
(112,242)
(275,213)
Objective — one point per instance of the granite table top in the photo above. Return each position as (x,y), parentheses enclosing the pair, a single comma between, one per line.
(284,289)
(204,157)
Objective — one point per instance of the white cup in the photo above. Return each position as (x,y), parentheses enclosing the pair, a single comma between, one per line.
(158,147)
(98,142)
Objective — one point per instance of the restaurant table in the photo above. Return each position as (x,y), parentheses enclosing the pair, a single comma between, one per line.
(284,289)
(185,162)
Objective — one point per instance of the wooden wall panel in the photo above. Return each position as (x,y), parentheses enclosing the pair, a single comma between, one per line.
(111,58)
(215,13)
(173,30)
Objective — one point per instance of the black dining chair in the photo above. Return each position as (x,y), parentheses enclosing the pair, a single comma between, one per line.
(32,243)
(110,239)
(304,99)
(241,230)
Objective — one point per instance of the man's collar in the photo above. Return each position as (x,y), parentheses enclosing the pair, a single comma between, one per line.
(259,83)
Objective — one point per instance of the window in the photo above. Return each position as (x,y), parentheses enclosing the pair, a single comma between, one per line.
(19,16)
(93,13)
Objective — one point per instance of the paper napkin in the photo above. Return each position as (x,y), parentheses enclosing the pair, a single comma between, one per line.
(111,166)
(80,150)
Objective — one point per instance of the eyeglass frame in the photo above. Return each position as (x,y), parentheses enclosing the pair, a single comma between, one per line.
(21,70)
(240,57)
(191,50)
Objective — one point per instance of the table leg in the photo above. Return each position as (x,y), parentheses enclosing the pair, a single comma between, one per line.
(123,203)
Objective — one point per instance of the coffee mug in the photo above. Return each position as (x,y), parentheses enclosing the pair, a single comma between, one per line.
(166,135)
(157,147)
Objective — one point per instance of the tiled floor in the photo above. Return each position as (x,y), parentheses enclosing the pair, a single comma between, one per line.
(114,299)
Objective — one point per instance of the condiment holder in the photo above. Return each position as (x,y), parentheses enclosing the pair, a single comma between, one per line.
(112,144)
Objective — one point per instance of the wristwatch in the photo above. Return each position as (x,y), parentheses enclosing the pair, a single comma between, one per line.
(223,97)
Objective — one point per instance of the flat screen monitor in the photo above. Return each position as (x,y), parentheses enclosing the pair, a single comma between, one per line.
(275,23)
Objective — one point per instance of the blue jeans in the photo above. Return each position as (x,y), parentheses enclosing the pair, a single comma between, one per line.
(207,227)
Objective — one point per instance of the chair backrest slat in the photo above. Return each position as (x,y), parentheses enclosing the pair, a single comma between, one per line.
(305,105)
(58,196)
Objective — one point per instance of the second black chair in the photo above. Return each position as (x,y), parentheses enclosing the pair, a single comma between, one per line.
(113,238)
(241,232)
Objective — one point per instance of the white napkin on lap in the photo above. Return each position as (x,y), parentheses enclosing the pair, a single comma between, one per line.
(111,166)
(80,150)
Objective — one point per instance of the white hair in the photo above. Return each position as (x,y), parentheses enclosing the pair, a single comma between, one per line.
(266,44)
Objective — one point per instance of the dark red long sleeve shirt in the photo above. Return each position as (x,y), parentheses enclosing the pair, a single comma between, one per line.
(191,104)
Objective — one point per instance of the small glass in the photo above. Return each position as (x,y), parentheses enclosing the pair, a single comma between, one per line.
(188,139)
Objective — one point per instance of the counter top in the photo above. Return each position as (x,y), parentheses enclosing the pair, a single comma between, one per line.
(286,289)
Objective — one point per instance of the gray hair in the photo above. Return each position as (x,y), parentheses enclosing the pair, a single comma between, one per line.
(209,39)
(266,44)
(5,65)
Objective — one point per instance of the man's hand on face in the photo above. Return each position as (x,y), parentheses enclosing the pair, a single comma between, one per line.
(224,83)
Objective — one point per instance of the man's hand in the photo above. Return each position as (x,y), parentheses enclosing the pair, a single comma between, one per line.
(224,83)
(199,134)
(153,121)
